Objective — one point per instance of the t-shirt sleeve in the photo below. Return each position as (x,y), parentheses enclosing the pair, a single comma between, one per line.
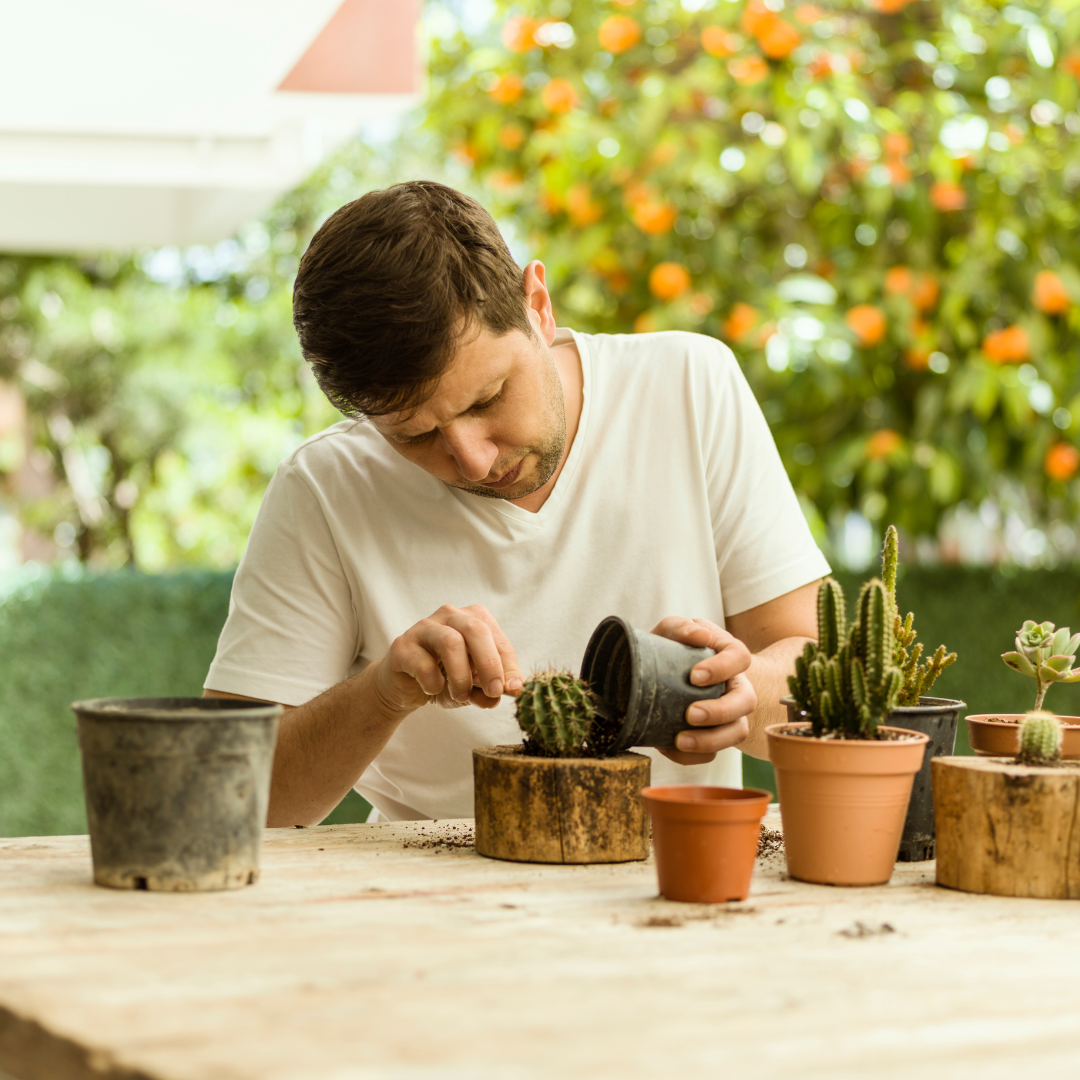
(764,547)
(292,630)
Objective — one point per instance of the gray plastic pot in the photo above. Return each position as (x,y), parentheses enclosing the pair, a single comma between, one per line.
(643,683)
(176,790)
(938,718)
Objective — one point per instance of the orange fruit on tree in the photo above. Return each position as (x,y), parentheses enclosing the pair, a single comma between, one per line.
(717,41)
(882,443)
(749,71)
(757,17)
(897,144)
(898,280)
(889,7)
(645,323)
(779,39)
(618,33)
(868,323)
(1071,64)
(946,195)
(517,33)
(581,208)
(740,322)
(1049,294)
(1008,346)
(899,173)
(924,291)
(917,357)
(511,136)
(559,96)
(667,280)
(1061,462)
(654,218)
(507,89)
(821,66)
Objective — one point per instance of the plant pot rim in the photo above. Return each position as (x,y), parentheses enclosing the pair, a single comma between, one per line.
(927,705)
(516,752)
(774,731)
(692,794)
(1003,719)
(186,709)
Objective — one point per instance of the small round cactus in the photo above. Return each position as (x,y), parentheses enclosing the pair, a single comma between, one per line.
(555,710)
(1040,738)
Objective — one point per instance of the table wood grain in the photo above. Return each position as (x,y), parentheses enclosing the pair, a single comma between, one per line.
(378,952)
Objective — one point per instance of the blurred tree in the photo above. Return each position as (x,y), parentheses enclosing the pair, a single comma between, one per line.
(875,205)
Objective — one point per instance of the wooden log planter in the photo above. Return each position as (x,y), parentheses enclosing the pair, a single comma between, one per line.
(1008,829)
(560,810)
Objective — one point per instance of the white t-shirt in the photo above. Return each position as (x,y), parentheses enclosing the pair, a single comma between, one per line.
(672,501)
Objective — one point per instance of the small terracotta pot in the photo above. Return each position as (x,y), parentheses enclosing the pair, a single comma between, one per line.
(843,802)
(705,839)
(991,739)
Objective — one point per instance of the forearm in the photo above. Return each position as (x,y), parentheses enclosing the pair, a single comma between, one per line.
(325,745)
(769,670)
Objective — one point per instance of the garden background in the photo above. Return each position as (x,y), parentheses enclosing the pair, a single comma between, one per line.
(873,204)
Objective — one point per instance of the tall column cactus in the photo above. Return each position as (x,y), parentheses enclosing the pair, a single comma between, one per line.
(847,682)
(918,677)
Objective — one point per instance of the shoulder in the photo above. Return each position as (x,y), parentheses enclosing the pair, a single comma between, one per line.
(664,352)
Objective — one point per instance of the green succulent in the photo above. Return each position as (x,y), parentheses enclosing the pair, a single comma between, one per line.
(1046,655)
(1040,738)
(556,712)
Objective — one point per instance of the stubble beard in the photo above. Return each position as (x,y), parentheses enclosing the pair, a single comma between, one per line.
(548,453)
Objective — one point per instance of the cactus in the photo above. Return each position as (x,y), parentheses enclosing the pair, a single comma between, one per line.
(847,682)
(1046,655)
(1040,738)
(918,677)
(555,710)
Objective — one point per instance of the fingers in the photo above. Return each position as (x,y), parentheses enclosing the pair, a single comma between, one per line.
(720,722)
(732,655)
(459,656)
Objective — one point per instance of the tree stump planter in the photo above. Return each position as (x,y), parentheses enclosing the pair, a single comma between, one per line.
(560,810)
(998,735)
(1007,829)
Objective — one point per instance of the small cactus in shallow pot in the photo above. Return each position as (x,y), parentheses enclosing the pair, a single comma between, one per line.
(846,682)
(556,712)
(1046,654)
(1040,739)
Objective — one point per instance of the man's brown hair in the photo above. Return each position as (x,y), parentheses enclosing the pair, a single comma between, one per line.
(387,288)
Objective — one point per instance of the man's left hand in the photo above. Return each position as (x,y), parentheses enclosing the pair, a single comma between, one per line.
(721,722)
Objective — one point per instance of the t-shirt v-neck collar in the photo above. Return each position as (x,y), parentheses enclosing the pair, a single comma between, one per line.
(538,519)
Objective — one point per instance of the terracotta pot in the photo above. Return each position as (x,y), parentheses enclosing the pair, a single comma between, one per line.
(991,739)
(705,840)
(843,803)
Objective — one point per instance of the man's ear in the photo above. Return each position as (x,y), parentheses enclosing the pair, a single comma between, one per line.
(538,302)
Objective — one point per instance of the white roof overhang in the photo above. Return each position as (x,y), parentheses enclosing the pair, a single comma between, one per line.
(127,123)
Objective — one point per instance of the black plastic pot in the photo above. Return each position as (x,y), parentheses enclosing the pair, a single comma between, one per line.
(937,718)
(643,683)
(176,790)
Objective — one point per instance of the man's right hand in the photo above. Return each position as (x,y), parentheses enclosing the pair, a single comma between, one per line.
(458,656)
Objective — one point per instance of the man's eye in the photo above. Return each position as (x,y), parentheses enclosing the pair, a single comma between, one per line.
(487,404)
(415,440)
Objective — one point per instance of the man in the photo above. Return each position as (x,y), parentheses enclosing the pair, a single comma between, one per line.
(502,486)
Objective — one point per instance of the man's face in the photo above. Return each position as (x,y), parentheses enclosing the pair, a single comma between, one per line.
(496,423)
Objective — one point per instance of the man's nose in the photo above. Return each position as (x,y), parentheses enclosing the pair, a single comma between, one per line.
(472,451)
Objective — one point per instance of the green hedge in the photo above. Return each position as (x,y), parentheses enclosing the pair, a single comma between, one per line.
(121,634)
(131,634)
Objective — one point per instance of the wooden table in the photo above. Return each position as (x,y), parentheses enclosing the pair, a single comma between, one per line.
(384,952)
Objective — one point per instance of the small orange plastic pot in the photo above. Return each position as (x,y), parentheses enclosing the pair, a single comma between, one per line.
(705,839)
